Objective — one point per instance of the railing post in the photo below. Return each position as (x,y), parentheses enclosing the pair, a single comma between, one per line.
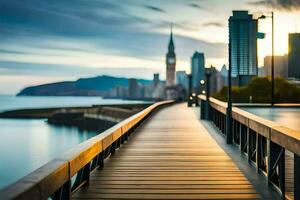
(100,160)
(244,139)
(64,193)
(228,126)
(296,176)
(269,160)
(281,167)
(276,160)
(258,151)
(248,144)
(113,147)
(202,109)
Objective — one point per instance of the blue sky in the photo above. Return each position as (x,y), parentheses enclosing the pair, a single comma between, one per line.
(43,41)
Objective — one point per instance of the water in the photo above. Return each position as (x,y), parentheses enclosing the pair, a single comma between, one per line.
(9,102)
(289,117)
(27,144)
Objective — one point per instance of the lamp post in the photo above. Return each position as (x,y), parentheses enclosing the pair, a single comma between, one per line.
(190,91)
(207,75)
(272,62)
(229,105)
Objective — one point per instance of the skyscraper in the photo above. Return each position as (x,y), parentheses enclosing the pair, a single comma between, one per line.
(280,66)
(243,46)
(197,71)
(171,62)
(182,79)
(133,88)
(293,57)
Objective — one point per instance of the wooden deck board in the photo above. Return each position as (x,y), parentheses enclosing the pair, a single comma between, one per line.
(170,157)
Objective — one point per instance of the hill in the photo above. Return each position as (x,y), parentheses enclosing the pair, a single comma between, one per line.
(95,86)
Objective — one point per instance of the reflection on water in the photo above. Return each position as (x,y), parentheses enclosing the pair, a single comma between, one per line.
(26,145)
(289,117)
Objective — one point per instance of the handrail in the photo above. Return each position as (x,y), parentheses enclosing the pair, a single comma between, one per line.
(55,178)
(263,140)
(283,136)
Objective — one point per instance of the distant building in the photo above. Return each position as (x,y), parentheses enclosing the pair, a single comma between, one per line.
(222,78)
(133,88)
(155,90)
(243,46)
(224,71)
(197,71)
(261,71)
(159,91)
(171,90)
(156,79)
(182,79)
(120,91)
(294,56)
(171,62)
(280,66)
(213,79)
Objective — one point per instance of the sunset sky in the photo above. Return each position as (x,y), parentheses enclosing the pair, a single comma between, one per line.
(44,41)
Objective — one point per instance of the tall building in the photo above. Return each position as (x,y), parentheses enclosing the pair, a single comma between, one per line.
(213,81)
(133,88)
(293,57)
(222,78)
(197,71)
(182,79)
(171,62)
(155,79)
(243,46)
(280,66)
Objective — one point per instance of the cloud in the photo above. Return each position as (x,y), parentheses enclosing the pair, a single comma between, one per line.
(154,8)
(279,4)
(194,5)
(53,37)
(217,24)
(80,18)
(68,71)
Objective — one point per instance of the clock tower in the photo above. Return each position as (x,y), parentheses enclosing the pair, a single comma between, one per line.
(171,62)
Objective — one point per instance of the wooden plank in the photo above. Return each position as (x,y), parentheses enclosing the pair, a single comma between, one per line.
(170,157)
(168,196)
(170,187)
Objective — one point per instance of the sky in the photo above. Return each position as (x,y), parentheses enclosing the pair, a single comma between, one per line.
(44,41)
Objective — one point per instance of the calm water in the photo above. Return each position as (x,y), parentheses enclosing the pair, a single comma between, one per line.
(25,145)
(289,117)
(8,102)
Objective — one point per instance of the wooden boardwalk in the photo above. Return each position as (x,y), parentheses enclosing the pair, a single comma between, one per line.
(170,157)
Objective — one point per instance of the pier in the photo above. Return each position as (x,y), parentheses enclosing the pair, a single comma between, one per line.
(166,152)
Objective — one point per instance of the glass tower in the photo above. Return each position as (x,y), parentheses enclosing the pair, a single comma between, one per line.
(197,71)
(243,44)
(293,56)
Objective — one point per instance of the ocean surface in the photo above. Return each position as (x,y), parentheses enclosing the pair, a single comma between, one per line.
(9,102)
(289,117)
(27,144)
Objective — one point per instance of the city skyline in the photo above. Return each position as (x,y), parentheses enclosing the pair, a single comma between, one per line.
(43,42)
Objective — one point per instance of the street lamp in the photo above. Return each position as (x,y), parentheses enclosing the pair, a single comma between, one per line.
(229,135)
(190,99)
(207,92)
(272,64)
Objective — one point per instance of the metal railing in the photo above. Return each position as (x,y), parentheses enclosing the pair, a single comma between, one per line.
(263,141)
(61,177)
